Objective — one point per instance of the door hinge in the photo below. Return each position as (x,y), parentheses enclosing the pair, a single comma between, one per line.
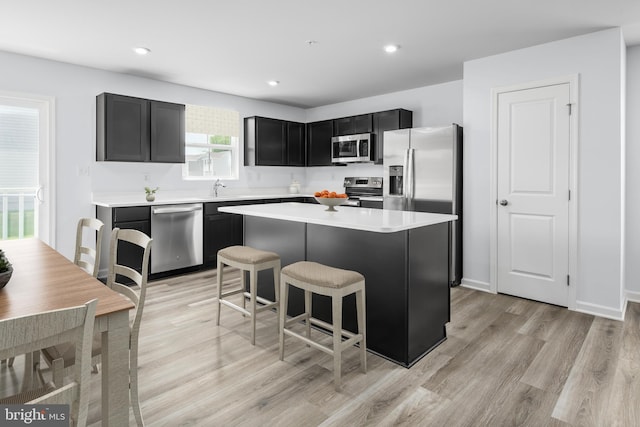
(569,105)
(569,194)
(568,281)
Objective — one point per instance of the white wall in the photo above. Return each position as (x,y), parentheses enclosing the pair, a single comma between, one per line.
(75,89)
(598,59)
(633,174)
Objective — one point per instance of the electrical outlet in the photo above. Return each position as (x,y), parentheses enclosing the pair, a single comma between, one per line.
(145,176)
(83,170)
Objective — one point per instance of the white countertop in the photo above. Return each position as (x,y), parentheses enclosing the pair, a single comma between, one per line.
(127,200)
(365,219)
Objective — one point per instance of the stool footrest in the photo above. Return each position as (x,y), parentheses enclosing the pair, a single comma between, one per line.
(296,319)
(263,300)
(235,307)
(267,305)
(308,341)
(234,292)
(329,327)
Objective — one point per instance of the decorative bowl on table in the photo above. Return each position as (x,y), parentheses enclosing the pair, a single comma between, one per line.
(331,202)
(5,276)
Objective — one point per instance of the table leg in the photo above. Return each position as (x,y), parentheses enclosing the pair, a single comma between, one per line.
(115,371)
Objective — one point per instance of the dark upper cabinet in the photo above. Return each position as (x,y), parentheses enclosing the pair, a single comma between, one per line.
(389,120)
(363,123)
(268,142)
(167,128)
(319,143)
(296,144)
(353,125)
(130,129)
(122,128)
(273,142)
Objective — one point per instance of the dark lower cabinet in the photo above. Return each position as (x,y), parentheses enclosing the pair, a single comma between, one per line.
(407,283)
(136,218)
(221,229)
(319,136)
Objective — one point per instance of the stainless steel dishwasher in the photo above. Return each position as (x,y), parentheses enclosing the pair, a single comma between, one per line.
(177,236)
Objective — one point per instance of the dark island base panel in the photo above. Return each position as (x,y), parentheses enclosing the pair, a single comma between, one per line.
(406,274)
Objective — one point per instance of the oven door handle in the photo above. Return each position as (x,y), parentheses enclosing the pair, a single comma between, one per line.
(352,202)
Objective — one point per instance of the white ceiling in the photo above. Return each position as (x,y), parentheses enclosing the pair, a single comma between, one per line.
(236,46)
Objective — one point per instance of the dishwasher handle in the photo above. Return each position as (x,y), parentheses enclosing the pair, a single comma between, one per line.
(176,209)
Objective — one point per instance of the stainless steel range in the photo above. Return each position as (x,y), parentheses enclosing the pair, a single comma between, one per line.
(365,192)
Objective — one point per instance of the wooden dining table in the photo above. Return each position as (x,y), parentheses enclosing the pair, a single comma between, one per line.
(42,280)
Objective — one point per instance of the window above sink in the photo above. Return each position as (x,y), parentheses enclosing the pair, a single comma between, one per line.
(211,143)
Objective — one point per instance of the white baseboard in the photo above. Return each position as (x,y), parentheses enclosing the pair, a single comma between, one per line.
(601,310)
(632,296)
(476,284)
(583,307)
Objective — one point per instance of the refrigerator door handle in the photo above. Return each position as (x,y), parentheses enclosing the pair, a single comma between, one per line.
(410,177)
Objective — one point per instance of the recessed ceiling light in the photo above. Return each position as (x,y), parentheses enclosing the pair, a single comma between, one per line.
(390,48)
(141,50)
(273,83)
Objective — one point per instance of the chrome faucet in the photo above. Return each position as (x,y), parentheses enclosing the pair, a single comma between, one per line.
(217,185)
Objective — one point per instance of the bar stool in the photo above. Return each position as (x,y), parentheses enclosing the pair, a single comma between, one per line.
(317,278)
(249,260)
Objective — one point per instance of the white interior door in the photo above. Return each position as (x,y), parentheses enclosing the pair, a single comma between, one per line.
(533,193)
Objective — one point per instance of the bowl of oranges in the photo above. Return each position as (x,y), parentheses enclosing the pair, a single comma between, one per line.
(331,199)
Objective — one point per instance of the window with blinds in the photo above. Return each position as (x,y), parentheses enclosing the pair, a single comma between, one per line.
(211,143)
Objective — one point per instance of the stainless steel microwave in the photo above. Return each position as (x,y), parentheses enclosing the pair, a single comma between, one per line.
(352,148)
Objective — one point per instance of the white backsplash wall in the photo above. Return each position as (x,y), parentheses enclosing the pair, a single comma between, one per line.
(332,177)
(114,177)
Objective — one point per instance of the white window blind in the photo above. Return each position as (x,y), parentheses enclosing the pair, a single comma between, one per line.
(19,132)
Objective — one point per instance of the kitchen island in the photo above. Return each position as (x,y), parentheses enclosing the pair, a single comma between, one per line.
(403,256)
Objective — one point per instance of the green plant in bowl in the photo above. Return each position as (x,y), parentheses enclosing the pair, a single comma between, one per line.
(150,190)
(5,269)
(5,265)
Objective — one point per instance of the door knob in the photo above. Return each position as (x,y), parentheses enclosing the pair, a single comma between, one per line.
(503,202)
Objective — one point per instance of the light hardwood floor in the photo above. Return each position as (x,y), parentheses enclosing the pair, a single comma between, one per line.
(507,361)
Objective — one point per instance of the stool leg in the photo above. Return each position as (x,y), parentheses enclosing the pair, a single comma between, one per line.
(220,268)
(307,311)
(336,303)
(253,290)
(284,296)
(243,283)
(362,328)
(276,288)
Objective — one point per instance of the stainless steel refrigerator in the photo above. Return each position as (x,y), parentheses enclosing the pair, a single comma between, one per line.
(423,172)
